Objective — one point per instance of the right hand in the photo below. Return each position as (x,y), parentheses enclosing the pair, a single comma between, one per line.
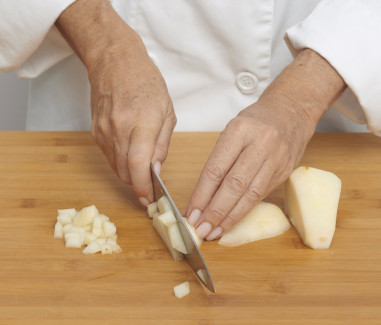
(132,113)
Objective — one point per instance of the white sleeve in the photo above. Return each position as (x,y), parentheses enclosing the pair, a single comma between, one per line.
(347,34)
(27,34)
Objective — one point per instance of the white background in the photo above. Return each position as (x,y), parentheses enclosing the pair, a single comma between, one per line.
(13,102)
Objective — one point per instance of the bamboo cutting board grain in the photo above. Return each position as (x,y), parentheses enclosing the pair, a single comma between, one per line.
(274,281)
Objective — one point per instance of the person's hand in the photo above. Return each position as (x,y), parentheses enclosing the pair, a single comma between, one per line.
(254,154)
(132,113)
(261,146)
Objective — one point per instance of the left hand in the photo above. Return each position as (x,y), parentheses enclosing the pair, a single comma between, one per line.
(259,148)
(254,154)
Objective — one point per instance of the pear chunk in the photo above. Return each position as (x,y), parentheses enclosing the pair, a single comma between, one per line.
(163,205)
(311,199)
(265,220)
(167,228)
(152,209)
(182,290)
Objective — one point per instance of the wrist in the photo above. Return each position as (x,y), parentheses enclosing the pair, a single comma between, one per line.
(309,86)
(93,29)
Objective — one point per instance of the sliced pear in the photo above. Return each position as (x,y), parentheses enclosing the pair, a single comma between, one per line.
(176,239)
(163,205)
(311,199)
(192,230)
(162,223)
(152,209)
(265,220)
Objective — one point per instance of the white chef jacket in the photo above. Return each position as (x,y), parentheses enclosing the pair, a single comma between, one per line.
(216,56)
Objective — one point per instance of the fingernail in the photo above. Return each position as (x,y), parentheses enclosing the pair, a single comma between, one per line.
(214,234)
(143,201)
(204,229)
(194,216)
(157,166)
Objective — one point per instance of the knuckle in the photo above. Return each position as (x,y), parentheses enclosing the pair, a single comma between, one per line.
(125,179)
(237,125)
(136,159)
(162,151)
(236,183)
(216,215)
(214,172)
(254,193)
(172,119)
(229,222)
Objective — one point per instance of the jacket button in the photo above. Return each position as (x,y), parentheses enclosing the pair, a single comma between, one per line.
(246,82)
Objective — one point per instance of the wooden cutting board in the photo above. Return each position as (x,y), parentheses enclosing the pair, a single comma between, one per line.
(273,281)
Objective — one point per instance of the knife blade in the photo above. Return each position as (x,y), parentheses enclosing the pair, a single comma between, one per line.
(194,256)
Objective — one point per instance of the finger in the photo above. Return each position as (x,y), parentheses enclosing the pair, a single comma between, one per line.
(222,158)
(256,191)
(140,153)
(231,190)
(163,141)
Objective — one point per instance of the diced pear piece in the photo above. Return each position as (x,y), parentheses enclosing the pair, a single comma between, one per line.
(67,228)
(114,246)
(101,241)
(58,230)
(69,212)
(265,220)
(89,237)
(182,290)
(85,216)
(152,209)
(106,249)
(311,199)
(162,223)
(72,235)
(87,227)
(64,219)
(81,229)
(97,226)
(163,205)
(192,230)
(201,273)
(176,239)
(109,229)
(103,217)
(73,240)
(92,248)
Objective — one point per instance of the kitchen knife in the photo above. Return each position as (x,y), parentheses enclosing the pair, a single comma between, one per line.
(194,257)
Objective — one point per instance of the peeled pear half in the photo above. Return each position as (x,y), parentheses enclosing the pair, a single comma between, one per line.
(311,199)
(265,220)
